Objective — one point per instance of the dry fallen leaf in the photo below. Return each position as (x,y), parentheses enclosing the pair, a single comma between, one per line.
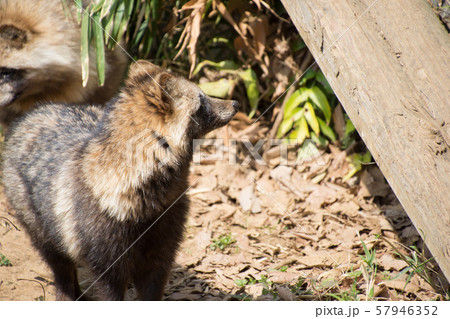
(390,263)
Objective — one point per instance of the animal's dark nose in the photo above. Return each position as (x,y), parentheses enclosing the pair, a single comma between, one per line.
(7,74)
(235,105)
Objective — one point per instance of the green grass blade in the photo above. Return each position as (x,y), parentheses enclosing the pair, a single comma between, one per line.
(106,8)
(85,35)
(79,5)
(99,48)
(97,6)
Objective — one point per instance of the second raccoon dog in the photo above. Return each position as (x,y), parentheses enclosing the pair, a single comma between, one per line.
(40,59)
(87,182)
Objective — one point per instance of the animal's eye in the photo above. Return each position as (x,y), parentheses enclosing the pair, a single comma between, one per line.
(204,105)
(14,35)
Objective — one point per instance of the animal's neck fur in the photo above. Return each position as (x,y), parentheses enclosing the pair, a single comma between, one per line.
(129,159)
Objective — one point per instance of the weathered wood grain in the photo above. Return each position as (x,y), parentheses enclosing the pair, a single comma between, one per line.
(389,64)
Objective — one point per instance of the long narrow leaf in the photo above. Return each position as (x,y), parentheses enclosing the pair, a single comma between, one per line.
(106,9)
(320,100)
(99,48)
(326,130)
(311,118)
(85,35)
(297,98)
(222,65)
(251,85)
(301,132)
(79,5)
(285,127)
(218,88)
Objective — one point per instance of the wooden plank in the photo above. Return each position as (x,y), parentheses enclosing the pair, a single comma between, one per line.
(389,63)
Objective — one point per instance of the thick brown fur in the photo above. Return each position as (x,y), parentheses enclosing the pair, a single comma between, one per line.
(87,182)
(40,59)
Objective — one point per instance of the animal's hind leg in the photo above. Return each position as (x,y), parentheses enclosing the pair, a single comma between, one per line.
(66,281)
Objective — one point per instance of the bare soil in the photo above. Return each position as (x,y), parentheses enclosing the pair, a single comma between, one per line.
(269,232)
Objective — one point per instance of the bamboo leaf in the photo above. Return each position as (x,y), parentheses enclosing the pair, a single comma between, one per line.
(319,139)
(85,35)
(251,85)
(117,22)
(79,5)
(222,65)
(298,97)
(99,48)
(320,100)
(307,76)
(106,9)
(109,24)
(128,10)
(217,89)
(301,132)
(349,127)
(97,6)
(326,130)
(311,118)
(298,114)
(285,127)
(321,78)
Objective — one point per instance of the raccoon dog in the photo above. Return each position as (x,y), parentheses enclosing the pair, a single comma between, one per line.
(40,59)
(86,182)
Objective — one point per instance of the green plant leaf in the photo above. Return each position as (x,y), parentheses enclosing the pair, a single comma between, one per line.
(106,8)
(322,79)
(326,130)
(251,85)
(349,127)
(218,88)
(319,139)
(301,132)
(99,48)
(222,65)
(310,74)
(285,127)
(85,40)
(79,5)
(298,44)
(300,112)
(311,118)
(97,6)
(320,100)
(298,97)
(356,160)
(116,24)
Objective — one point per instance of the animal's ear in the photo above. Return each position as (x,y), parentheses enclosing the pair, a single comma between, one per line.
(153,84)
(165,81)
(142,71)
(164,85)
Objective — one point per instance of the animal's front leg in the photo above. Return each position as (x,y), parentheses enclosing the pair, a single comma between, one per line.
(150,283)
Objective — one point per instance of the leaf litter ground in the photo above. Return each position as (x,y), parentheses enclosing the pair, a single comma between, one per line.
(270,232)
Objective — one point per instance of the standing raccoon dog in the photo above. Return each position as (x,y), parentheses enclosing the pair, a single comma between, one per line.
(87,182)
(40,59)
